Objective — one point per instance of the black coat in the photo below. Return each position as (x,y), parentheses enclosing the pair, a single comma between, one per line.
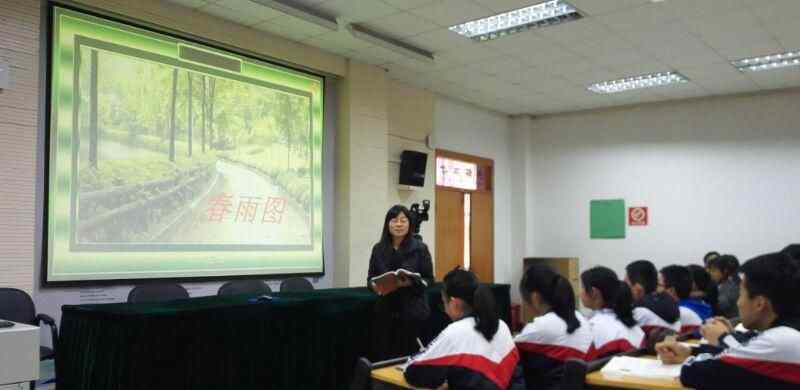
(413,255)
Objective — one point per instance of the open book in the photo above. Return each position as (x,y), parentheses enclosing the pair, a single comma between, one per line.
(386,283)
(640,367)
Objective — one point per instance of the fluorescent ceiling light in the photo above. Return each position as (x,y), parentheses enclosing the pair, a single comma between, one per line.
(638,82)
(389,43)
(518,20)
(299,11)
(772,61)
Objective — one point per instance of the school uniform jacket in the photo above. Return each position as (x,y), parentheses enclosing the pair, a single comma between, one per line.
(755,360)
(610,336)
(690,321)
(657,311)
(545,345)
(462,357)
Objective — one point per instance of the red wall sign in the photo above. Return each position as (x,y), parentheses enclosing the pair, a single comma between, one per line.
(637,216)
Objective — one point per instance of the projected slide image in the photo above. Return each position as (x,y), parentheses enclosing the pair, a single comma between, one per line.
(168,158)
(171,156)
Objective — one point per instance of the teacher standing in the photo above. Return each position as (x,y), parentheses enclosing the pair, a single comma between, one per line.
(401,314)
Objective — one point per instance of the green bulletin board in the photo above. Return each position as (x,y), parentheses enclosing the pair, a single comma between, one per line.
(607,218)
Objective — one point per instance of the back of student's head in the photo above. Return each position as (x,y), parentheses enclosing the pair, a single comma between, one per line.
(793,251)
(616,293)
(709,256)
(644,273)
(728,265)
(775,276)
(700,276)
(463,284)
(679,278)
(554,289)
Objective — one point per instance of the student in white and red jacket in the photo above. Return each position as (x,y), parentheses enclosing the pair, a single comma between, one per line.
(557,332)
(476,351)
(614,330)
(768,357)
(676,281)
(654,311)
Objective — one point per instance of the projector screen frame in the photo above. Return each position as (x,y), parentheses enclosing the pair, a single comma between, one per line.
(47,75)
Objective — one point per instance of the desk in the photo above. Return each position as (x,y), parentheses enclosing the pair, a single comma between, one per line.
(596,379)
(19,354)
(393,376)
(308,340)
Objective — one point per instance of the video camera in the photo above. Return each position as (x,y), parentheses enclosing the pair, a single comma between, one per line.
(418,216)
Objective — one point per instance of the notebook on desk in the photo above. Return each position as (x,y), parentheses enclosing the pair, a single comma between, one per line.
(640,367)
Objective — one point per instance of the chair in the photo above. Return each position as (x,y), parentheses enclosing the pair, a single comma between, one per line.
(574,375)
(152,293)
(242,287)
(362,373)
(296,284)
(16,305)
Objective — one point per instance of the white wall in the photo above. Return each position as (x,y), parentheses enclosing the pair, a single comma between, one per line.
(464,128)
(717,174)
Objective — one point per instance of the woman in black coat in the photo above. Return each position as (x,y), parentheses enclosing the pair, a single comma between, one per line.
(401,314)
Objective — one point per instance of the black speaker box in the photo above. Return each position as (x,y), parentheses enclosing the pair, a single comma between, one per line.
(412,168)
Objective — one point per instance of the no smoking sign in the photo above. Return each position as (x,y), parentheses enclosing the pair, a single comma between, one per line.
(637,216)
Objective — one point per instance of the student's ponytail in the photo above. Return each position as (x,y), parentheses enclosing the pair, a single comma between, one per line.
(622,304)
(464,285)
(616,294)
(483,305)
(554,289)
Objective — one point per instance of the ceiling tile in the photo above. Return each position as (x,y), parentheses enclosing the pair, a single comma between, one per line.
(497,66)
(639,18)
(638,68)
(294,30)
(243,18)
(408,4)
(357,10)
(695,8)
(581,30)
(401,25)
(190,3)
(778,78)
(595,7)
(719,78)
(548,55)
(339,40)
(680,91)
(252,9)
(376,55)
(776,11)
(437,40)
(735,29)
(751,49)
(499,6)
(468,54)
(449,12)
(787,33)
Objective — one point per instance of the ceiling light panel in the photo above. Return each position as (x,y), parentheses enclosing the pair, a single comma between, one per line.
(538,15)
(772,61)
(638,82)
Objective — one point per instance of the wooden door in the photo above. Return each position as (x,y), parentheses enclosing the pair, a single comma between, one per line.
(449,231)
(482,236)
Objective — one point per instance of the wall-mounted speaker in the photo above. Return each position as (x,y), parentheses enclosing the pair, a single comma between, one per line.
(412,168)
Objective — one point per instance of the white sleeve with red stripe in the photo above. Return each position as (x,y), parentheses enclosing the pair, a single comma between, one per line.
(547,335)
(770,360)
(460,345)
(690,321)
(650,321)
(610,335)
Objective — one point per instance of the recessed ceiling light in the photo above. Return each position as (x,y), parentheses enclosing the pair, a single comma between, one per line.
(518,20)
(772,61)
(638,82)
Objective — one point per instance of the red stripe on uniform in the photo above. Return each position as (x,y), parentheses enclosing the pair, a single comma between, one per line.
(787,372)
(615,346)
(689,328)
(499,373)
(556,352)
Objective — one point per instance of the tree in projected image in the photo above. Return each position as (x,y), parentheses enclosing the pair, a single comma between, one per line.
(155,139)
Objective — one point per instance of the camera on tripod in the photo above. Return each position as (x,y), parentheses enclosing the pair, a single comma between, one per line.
(418,216)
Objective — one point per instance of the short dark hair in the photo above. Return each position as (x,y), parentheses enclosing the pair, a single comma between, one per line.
(643,272)
(793,250)
(700,276)
(679,278)
(775,276)
(727,264)
(709,256)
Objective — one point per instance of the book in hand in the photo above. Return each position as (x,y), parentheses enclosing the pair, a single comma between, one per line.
(389,282)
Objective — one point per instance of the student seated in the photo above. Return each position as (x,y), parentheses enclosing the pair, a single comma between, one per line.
(614,330)
(653,310)
(793,250)
(724,272)
(703,289)
(676,281)
(557,332)
(769,357)
(476,351)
